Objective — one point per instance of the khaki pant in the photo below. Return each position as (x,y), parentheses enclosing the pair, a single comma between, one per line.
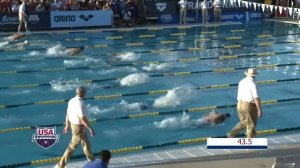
(217,13)
(78,136)
(182,19)
(248,116)
(204,16)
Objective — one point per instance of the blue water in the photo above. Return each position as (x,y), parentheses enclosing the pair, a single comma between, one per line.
(145,131)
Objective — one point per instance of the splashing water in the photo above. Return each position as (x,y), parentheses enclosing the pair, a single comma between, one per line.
(56,50)
(62,85)
(34,53)
(157,67)
(129,57)
(3,44)
(174,97)
(134,79)
(86,61)
(132,107)
(183,121)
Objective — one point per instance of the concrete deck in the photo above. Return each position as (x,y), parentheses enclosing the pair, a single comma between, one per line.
(283,150)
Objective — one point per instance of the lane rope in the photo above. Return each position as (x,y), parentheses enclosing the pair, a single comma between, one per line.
(139,148)
(150,114)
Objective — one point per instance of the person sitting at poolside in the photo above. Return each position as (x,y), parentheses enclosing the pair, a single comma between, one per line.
(105,156)
(74,51)
(212,118)
(16,36)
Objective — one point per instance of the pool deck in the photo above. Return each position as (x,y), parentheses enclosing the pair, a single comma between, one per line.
(283,150)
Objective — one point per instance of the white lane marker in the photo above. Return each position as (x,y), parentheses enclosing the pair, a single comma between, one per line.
(170,155)
(188,153)
(157,156)
(289,138)
(206,151)
(273,140)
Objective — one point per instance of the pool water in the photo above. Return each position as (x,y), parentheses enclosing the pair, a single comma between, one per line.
(138,61)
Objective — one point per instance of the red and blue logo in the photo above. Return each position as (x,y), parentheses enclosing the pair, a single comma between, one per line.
(45,137)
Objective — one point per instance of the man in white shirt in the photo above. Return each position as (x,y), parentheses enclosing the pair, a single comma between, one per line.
(77,118)
(248,106)
(23,16)
(183,5)
(204,6)
(217,10)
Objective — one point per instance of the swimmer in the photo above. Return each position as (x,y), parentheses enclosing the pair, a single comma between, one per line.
(16,36)
(212,118)
(74,51)
(22,44)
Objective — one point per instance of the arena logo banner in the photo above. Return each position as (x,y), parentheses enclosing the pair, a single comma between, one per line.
(233,16)
(255,15)
(61,19)
(161,7)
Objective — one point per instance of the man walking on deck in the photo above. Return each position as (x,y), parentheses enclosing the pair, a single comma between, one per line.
(77,118)
(248,106)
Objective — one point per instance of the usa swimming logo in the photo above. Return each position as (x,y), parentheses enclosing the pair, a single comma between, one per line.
(45,137)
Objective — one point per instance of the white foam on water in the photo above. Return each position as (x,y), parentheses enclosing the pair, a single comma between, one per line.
(174,122)
(183,121)
(62,85)
(131,107)
(3,44)
(96,110)
(129,56)
(34,53)
(56,50)
(157,67)
(174,97)
(87,60)
(134,79)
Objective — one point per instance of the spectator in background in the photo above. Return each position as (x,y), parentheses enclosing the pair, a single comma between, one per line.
(15,6)
(114,6)
(41,7)
(217,10)
(132,8)
(83,5)
(105,156)
(23,16)
(183,6)
(32,5)
(56,5)
(4,6)
(74,5)
(97,6)
(106,6)
(204,6)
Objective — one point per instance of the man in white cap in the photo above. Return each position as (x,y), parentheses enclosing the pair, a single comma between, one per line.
(248,106)
(76,118)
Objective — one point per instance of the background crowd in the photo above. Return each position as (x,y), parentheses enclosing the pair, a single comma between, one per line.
(125,9)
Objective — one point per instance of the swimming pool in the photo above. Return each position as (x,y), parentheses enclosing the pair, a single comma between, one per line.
(128,72)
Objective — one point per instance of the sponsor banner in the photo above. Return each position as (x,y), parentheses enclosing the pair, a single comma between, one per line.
(255,15)
(159,7)
(190,18)
(156,8)
(36,20)
(85,18)
(233,16)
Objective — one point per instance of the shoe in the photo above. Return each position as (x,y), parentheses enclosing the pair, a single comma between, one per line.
(57,166)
